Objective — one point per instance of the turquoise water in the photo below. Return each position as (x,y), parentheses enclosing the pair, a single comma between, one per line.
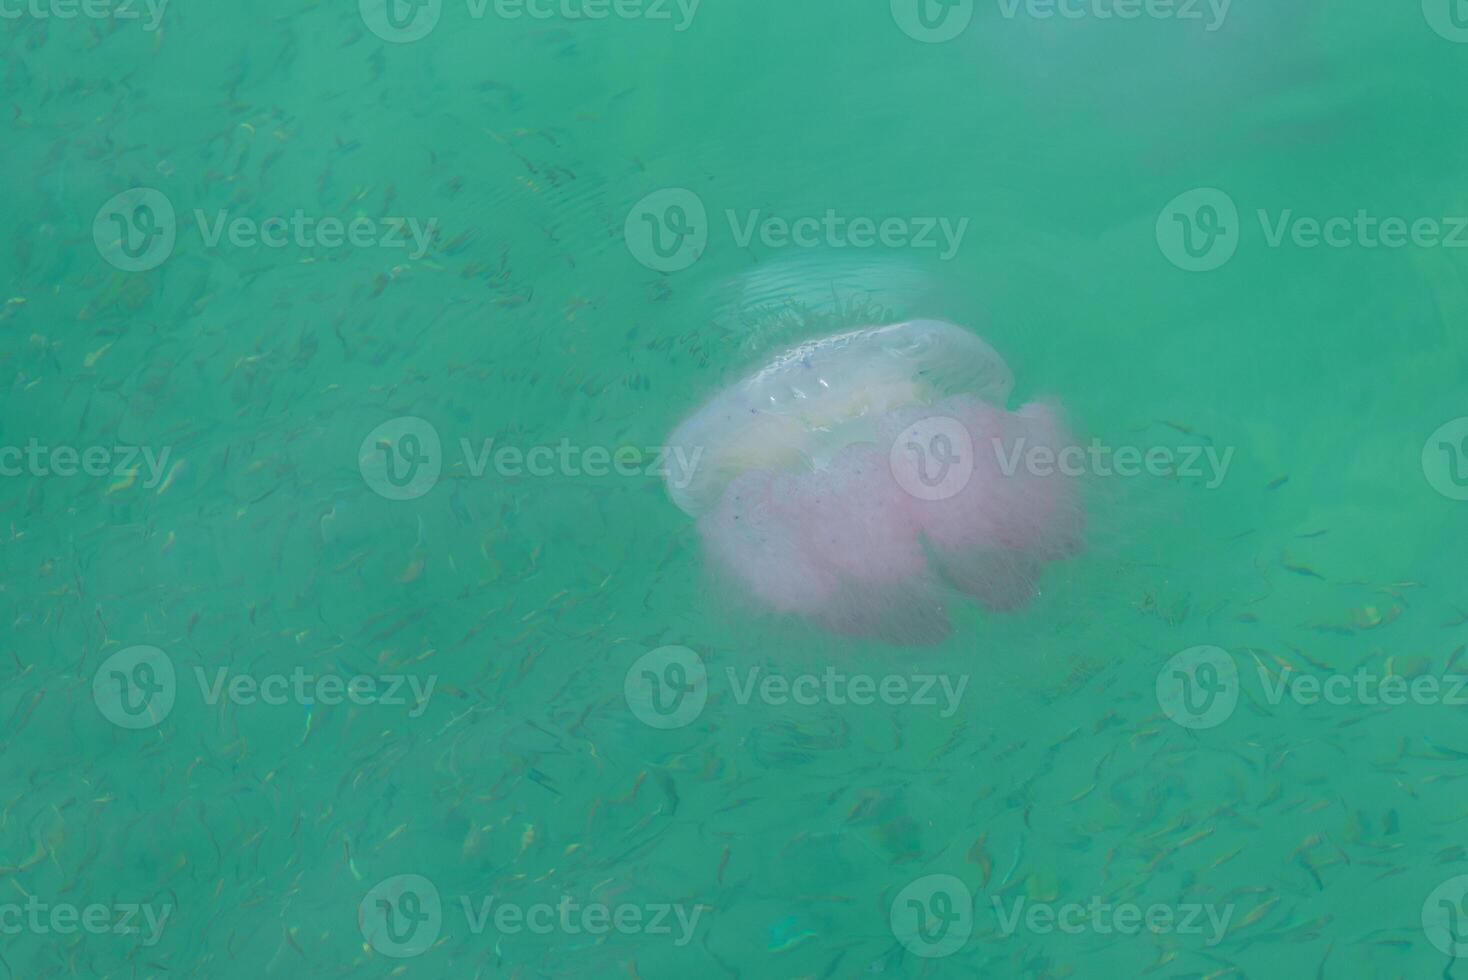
(341,347)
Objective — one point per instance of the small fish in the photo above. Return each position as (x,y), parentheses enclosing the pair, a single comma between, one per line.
(784,934)
(1303,858)
(1298,569)
(96,355)
(1258,912)
(540,778)
(980,856)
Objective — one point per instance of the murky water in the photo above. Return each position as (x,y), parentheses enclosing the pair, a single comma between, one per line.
(352,632)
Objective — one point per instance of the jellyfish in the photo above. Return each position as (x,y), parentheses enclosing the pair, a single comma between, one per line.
(865,479)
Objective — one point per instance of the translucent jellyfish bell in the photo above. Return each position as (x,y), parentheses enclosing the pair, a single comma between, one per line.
(863,479)
(818,397)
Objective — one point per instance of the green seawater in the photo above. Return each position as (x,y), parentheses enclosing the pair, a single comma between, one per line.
(349,631)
